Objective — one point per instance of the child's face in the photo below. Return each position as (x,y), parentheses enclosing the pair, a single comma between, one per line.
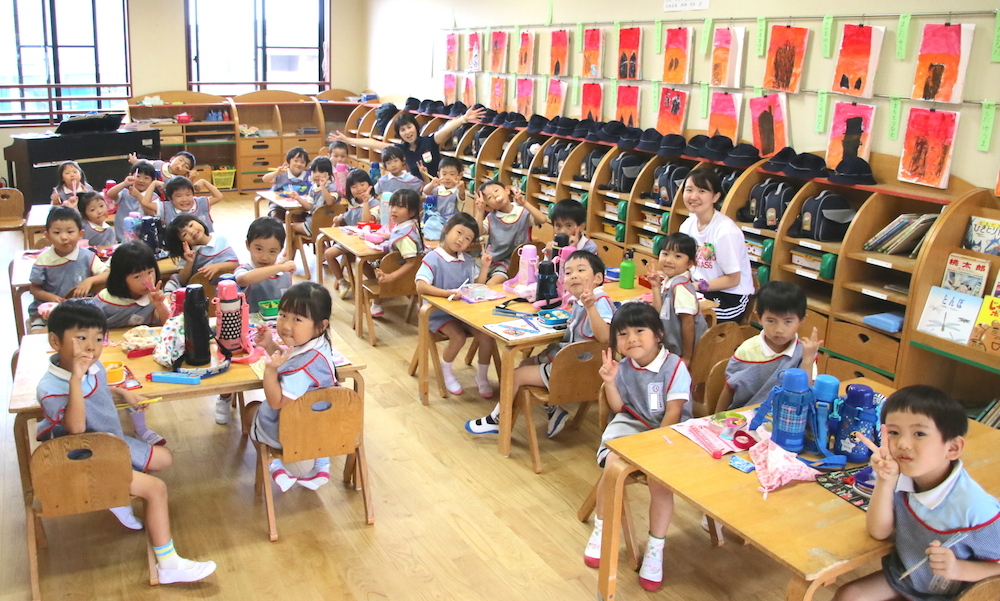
(338,156)
(458,239)
(449,176)
(194,234)
(779,330)
(580,277)
(296,330)
(91,342)
(64,236)
(699,201)
(408,133)
(569,227)
(183,199)
(97,211)
(361,190)
(638,343)
(180,165)
(142,181)
(297,164)
(70,175)
(918,447)
(264,251)
(673,262)
(395,165)
(399,214)
(319,177)
(141,283)
(497,198)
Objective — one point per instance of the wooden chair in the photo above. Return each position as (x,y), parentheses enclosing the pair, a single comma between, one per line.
(327,422)
(435,360)
(322,218)
(717,344)
(209,287)
(404,285)
(76,474)
(984,590)
(515,258)
(12,211)
(574,379)
(714,385)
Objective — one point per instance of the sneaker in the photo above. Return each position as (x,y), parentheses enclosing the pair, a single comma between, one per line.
(718,527)
(314,482)
(592,554)
(376,310)
(651,572)
(153,438)
(188,571)
(485,388)
(484,425)
(223,410)
(344,289)
(283,479)
(557,420)
(453,385)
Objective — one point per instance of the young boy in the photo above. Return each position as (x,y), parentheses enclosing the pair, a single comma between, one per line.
(507,219)
(592,310)
(396,177)
(570,217)
(64,269)
(926,497)
(129,191)
(753,369)
(446,191)
(181,200)
(75,397)
(181,163)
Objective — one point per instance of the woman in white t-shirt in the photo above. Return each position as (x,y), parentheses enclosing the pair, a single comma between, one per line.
(722,271)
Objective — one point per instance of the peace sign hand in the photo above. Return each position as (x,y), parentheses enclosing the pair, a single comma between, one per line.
(609,369)
(882,461)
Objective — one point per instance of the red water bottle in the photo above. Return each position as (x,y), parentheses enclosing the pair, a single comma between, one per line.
(178,306)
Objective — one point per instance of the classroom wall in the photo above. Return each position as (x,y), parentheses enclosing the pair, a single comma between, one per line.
(413,66)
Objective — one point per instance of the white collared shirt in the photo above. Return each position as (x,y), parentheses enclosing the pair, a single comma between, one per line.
(770,353)
(64,374)
(935,496)
(655,364)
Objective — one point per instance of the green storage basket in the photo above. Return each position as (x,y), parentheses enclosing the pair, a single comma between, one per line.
(763,274)
(620,232)
(768,250)
(665,223)
(623,210)
(658,241)
(584,198)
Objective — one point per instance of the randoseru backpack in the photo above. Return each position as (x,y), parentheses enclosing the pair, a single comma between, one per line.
(549,157)
(560,159)
(526,152)
(666,181)
(826,217)
(625,169)
(752,211)
(588,167)
(152,232)
(456,136)
(480,138)
(775,203)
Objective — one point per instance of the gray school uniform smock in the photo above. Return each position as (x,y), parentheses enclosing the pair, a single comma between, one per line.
(389,183)
(353,214)
(505,236)
(127,204)
(65,194)
(285,183)
(167,212)
(316,195)
(446,201)
(99,234)
(587,244)
(216,251)
(672,339)
(407,229)
(308,368)
(102,416)
(126,312)
(58,275)
(270,289)
(448,272)
(577,329)
(753,370)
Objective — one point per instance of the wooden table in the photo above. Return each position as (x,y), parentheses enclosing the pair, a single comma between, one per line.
(811,532)
(291,207)
(479,315)
(33,361)
(360,250)
(34,224)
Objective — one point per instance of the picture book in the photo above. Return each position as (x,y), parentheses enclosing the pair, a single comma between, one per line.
(986,333)
(950,315)
(966,274)
(907,239)
(982,235)
(519,328)
(995,290)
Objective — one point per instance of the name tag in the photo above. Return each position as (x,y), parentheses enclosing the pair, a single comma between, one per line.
(427,157)
(655,393)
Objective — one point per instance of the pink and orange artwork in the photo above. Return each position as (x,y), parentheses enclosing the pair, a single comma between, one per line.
(769,122)
(559,53)
(927,147)
(724,115)
(555,98)
(942,62)
(627,105)
(526,53)
(593,52)
(591,101)
(450,89)
(850,132)
(498,94)
(469,91)
(997,189)
(525,96)
(629,47)
(857,59)
(786,53)
(498,52)
(677,55)
(451,52)
(475,62)
(672,111)
(727,57)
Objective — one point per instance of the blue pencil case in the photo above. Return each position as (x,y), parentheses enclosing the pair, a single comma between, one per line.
(887,322)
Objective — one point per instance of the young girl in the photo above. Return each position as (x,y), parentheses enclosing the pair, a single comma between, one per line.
(675,298)
(405,237)
(648,389)
(128,192)
(442,273)
(72,181)
(507,219)
(133,296)
(722,272)
(188,238)
(181,200)
(303,319)
(361,207)
(291,176)
(94,211)
(322,192)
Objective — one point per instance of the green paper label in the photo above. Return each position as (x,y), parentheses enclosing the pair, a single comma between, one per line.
(517,37)
(758,91)
(995,56)
(761,35)
(548,19)
(704,99)
(657,90)
(821,104)
(902,36)
(614,93)
(986,124)
(827,36)
(706,35)
(579,37)
(895,113)
(659,37)
(576,89)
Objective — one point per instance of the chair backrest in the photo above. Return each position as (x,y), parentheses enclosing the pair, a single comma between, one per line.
(713,387)
(717,344)
(80,473)
(515,257)
(323,217)
(209,287)
(404,285)
(11,203)
(575,375)
(984,590)
(322,423)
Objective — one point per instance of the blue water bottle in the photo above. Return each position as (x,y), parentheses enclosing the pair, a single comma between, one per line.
(789,403)
(375,172)
(858,415)
(129,227)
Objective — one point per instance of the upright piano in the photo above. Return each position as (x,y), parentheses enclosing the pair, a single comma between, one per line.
(33,158)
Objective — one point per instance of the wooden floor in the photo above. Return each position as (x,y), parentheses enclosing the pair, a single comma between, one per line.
(453,519)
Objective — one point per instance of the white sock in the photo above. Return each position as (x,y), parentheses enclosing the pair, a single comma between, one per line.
(483,371)
(138,422)
(446,369)
(126,517)
(319,475)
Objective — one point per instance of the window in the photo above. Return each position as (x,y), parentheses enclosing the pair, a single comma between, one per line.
(244,45)
(62,57)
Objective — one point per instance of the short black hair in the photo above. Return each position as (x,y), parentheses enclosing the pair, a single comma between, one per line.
(322,165)
(75,313)
(948,415)
(176,183)
(356,176)
(405,118)
(447,161)
(65,164)
(781,298)
(83,200)
(130,257)
(463,219)
(187,155)
(338,145)
(596,263)
(706,179)
(173,233)
(310,300)
(571,210)
(636,315)
(682,243)
(297,151)
(143,168)
(266,227)
(63,213)
(393,152)
(488,183)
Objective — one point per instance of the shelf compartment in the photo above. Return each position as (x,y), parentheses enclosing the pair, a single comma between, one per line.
(876,290)
(858,319)
(801,272)
(955,351)
(895,262)
(646,226)
(750,229)
(826,247)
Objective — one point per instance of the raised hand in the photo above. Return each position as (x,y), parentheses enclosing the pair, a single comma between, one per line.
(82,359)
(587,298)
(133,158)
(72,201)
(474,114)
(336,136)
(200,186)
(810,346)
(654,276)
(276,359)
(517,195)
(609,369)
(156,295)
(188,253)
(480,202)
(882,461)
(264,338)
(487,256)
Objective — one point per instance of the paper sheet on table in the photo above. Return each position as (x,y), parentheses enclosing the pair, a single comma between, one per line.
(516,329)
(699,433)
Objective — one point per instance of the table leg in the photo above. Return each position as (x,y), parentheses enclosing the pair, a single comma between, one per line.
(614,494)
(16,292)
(507,355)
(256,206)
(22,443)
(318,242)
(359,281)
(800,589)
(289,241)
(423,351)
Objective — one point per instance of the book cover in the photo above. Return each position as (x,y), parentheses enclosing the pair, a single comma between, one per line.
(982,235)
(986,332)
(966,274)
(995,291)
(908,239)
(950,315)
(893,227)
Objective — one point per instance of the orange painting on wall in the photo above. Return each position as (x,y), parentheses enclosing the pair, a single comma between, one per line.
(498,52)
(724,115)
(941,64)
(677,55)
(525,96)
(555,98)
(857,60)
(769,123)
(469,94)
(475,62)
(786,53)
(927,147)
(498,94)
(629,47)
(526,53)
(627,105)
(450,89)
(451,52)
(593,52)
(850,132)
(559,53)
(672,111)
(592,101)
(727,57)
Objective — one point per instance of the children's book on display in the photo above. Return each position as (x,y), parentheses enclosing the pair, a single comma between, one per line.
(950,315)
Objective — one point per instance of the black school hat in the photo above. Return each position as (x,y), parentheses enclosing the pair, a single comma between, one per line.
(854,171)
(412,104)
(629,138)
(552,125)
(437,108)
(458,109)
(515,120)
(696,145)
(672,145)
(488,117)
(743,155)
(566,126)
(499,119)
(650,140)
(717,147)
(536,123)
(582,128)
(424,106)
(780,159)
(611,132)
(595,129)
(806,166)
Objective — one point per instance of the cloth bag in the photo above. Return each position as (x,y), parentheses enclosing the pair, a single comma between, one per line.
(777,467)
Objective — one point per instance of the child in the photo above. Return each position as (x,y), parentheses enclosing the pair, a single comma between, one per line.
(362,206)
(303,319)
(72,182)
(753,370)
(179,192)
(446,191)
(648,389)
(181,163)
(675,298)
(592,310)
(322,192)
(442,273)
(924,495)
(128,192)
(64,269)
(75,397)
(570,217)
(290,177)
(94,211)
(396,177)
(187,237)
(404,212)
(133,296)
(507,220)
(338,156)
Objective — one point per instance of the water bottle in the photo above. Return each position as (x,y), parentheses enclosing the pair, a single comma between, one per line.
(526,275)
(627,272)
(383,209)
(858,415)
(130,225)
(340,178)
(547,284)
(825,389)
(112,206)
(197,333)
(789,404)
(375,172)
